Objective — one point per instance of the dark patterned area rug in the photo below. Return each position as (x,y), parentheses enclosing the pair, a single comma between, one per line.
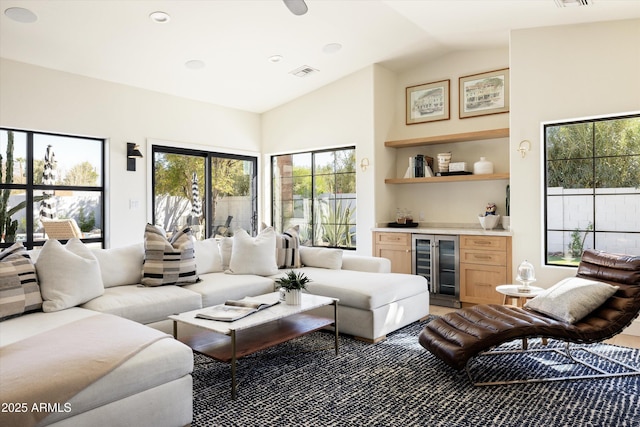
(398,383)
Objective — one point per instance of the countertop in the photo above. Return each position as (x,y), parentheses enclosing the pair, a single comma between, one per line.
(458,229)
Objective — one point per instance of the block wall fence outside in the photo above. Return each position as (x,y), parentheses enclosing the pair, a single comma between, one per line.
(617,209)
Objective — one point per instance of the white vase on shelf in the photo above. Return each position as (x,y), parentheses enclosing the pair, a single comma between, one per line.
(483,167)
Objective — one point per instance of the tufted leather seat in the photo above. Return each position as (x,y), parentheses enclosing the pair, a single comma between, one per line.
(459,336)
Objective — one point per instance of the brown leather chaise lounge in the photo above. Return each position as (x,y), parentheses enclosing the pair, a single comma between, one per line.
(458,337)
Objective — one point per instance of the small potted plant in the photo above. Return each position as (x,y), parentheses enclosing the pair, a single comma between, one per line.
(293,284)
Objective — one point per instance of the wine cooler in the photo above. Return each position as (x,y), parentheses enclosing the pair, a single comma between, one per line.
(436,258)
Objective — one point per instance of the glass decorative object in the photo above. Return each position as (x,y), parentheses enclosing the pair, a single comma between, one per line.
(526,276)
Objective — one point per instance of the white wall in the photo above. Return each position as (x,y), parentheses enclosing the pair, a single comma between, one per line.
(384,158)
(36,98)
(337,115)
(562,73)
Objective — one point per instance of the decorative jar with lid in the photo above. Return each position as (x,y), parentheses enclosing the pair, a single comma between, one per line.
(483,167)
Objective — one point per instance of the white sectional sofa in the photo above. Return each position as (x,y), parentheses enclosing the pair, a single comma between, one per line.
(153,387)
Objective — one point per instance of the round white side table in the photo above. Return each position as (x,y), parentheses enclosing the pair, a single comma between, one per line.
(518,299)
(515,296)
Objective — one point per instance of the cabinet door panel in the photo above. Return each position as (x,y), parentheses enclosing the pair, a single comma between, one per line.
(493,243)
(401,239)
(478,283)
(400,258)
(483,257)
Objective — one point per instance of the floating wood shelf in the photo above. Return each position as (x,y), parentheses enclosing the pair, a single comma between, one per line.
(451,178)
(445,139)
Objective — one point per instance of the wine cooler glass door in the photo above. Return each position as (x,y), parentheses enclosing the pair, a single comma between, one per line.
(422,257)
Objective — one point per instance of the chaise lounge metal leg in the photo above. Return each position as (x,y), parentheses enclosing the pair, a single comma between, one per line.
(566,352)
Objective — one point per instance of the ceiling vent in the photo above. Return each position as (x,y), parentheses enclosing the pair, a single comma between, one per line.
(568,3)
(303,71)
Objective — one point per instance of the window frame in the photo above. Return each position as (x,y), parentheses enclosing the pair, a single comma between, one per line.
(29,188)
(313,174)
(208,156)
(593,191)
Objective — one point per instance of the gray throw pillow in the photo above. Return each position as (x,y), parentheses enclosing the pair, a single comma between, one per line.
(571,299)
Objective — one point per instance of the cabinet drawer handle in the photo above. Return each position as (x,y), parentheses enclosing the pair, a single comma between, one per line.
(482,256)
(484,284)
(481,242)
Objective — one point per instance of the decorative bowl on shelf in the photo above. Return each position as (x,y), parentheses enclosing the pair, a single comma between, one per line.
(489,222)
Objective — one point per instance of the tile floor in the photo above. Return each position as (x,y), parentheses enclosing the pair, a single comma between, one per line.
(624,340)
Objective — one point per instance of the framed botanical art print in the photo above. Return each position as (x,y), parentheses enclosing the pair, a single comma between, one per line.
(428,102)
(484,93)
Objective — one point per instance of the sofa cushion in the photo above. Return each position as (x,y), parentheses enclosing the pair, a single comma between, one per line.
(208,258)
(168,261)
(363,290)
(163,361)
(121,266)
(145,304)
(254,255)
(216,288)
(572,298)
(69,274)
(19,289)
(321,257)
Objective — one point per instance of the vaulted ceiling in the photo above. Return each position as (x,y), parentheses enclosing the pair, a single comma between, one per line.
(226,52)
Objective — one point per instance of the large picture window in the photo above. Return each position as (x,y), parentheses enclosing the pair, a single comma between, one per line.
(215,193)
(317,192)
(592,192)
(51,186)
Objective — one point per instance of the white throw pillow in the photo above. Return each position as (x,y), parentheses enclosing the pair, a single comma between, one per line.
(208,258)
(571,299)
(254,255)
(287,247)
(121,266)
(69,275)
(321,257)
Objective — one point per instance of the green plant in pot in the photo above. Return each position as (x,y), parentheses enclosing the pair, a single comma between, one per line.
(293,284)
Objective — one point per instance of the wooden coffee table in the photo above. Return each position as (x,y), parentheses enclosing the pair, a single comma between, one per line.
(229,341)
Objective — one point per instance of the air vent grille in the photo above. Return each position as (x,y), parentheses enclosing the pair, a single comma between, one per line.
(303,71)
(566,3)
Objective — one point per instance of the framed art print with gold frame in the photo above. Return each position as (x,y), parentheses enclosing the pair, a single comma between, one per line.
(428,102)
(484,93)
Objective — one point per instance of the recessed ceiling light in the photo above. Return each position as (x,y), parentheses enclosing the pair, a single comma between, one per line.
(275,58)
(20,14)
(160,17)
(332,48)
(194,64)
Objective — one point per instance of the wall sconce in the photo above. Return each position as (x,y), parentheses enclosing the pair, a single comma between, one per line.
(524,147)
(133,153)
(364,164)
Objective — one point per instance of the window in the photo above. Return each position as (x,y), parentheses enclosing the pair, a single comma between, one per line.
(592,192)
(316,191)
(214,193)
(46,176)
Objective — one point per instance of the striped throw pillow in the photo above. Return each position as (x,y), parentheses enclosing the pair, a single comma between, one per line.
(288,248)
(168,261)
(19,289)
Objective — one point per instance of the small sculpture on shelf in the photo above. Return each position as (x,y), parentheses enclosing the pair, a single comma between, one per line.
(490,219)
(490,209)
